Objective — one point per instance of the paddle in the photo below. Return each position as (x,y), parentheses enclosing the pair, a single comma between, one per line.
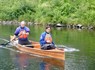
(4,44)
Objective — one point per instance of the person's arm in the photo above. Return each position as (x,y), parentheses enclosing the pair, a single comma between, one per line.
(13,38)
(27,31)
(15,34)
(42,40)
(53,43)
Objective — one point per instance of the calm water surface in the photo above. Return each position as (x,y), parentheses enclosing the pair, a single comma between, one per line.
(83,40)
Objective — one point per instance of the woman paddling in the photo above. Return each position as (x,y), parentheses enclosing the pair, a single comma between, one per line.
(46,41)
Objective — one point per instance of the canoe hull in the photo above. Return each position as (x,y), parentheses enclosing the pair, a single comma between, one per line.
(57,54)
(54,53)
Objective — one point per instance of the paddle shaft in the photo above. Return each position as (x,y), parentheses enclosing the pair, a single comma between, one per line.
(4,44)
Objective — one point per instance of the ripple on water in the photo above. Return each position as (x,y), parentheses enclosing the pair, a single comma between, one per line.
(67,49)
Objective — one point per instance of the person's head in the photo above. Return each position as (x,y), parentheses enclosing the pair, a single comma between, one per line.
(22,24)
(48,29)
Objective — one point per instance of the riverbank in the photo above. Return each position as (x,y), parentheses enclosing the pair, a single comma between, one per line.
(70,26)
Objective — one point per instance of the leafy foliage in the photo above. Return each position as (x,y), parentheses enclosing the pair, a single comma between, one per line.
(49,11)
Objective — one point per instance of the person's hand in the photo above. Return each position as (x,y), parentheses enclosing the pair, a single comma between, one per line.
(12,38)
(21,33)
(24,32)
(48,41)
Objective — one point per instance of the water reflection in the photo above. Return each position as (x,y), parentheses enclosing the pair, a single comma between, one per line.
(54,62)
(24,61)
(21,61)
(59,28)
(47,64)
(44,66)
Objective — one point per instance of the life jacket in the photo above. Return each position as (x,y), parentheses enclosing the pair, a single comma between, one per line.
(23,35)
(48,38)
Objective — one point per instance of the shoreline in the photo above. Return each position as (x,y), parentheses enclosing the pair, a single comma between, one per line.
(70,26)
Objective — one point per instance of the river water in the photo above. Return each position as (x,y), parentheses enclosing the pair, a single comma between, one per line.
(79,50)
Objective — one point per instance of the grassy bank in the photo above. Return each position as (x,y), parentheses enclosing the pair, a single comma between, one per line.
(49,11)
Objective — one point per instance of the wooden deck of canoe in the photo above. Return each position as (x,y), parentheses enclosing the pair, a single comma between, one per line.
(54,53)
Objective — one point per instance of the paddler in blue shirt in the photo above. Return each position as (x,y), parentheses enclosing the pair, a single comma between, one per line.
(46,40)
(22,33)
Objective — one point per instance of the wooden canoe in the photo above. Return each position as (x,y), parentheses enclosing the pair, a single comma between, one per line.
(54,53)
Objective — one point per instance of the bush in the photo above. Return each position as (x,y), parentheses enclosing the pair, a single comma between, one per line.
(49,11)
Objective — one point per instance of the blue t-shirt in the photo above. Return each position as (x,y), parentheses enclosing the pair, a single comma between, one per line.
(42,39)
(19,29)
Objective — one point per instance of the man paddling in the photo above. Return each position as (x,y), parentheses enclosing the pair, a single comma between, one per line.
(46,41)
(22,33)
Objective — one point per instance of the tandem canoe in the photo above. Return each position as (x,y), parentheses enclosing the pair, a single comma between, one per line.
(56,53)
